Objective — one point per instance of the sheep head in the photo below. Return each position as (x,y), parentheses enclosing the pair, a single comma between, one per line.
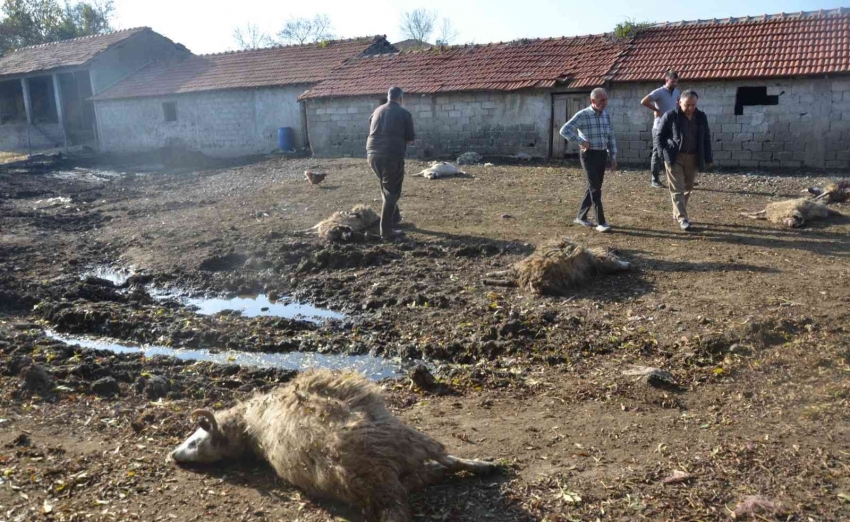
(794,220)
(214,440)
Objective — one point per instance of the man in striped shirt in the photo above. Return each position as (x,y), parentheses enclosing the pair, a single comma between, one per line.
(592,129)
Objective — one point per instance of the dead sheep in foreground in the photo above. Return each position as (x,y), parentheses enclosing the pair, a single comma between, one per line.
(329,434)
(441,169)
(837,192)
(793,213)
(559,266)
(346,226)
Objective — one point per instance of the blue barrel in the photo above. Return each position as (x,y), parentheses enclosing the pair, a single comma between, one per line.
(286,139)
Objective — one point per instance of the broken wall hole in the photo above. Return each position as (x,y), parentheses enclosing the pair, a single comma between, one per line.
(374,368)
(750,96)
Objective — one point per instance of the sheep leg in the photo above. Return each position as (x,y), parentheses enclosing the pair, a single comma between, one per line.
(755,215)
(478,467)
(507,283)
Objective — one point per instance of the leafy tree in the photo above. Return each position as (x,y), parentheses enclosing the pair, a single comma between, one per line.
(630,29)
(33,22)
(306,30)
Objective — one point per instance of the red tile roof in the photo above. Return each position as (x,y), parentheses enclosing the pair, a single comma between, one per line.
(66,53)
(522,64)
(766,46)
(754,47)
(274,66)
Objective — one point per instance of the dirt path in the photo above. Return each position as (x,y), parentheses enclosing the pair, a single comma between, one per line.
(749,319)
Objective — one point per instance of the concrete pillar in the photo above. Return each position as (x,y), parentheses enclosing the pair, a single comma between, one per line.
(60,109)
(27,101)
(57,91)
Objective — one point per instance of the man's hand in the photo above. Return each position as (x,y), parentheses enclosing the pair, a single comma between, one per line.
(614,165)
(584,145)
(658,113)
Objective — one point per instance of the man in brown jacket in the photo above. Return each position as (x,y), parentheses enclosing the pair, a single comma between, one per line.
(390,131)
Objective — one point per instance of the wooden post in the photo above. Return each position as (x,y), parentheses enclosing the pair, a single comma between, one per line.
(60,110)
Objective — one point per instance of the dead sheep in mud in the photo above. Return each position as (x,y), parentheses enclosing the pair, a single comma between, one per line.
(793,213)
(558,267)
(346,226)
(441,169)
(329,434)
(837,192)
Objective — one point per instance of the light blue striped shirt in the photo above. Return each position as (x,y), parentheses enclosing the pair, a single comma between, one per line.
(593,127)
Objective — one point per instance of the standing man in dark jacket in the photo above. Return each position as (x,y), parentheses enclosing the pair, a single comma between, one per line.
(390,131)
(685,143)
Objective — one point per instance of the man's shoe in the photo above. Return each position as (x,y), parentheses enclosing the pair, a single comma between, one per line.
(656,184)
(603,227)
(685,225)
(582,222)
(395,235)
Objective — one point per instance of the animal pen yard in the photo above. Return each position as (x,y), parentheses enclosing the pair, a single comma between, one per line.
(747,322)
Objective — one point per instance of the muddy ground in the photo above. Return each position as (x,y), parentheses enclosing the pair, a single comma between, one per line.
(749,319)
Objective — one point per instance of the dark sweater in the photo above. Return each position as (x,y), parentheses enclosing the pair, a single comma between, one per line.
(673,132)
(390,129)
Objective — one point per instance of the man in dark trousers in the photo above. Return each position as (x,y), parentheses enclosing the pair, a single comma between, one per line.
(390,130)
(661,101)
(592,129)
(685,143)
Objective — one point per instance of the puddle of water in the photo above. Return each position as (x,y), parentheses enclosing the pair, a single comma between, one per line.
(374,368)
(248,306)
(260,306)
(95,176)
(118,276)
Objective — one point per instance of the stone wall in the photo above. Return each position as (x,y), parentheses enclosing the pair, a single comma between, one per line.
(810,127)
(218,123)
(446,125)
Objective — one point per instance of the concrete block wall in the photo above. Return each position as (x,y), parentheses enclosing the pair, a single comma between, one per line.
(810,127)
(490,123)
(218,123)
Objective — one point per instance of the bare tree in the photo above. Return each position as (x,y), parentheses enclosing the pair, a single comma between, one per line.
(305,30)
(448,33)
(418,24)
(251,37)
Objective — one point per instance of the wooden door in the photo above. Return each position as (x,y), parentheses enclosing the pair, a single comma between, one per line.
(563,108)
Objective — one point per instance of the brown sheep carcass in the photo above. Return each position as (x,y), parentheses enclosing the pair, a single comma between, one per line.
(559,266)
(792,213)
(329,434)
(346,226)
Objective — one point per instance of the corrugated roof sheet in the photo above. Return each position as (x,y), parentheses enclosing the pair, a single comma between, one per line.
(274,66)
(65,53)
(508,66)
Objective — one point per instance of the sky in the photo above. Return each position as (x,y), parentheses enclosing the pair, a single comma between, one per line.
(206,26)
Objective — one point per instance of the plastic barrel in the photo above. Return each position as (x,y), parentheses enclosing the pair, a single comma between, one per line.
(286,139)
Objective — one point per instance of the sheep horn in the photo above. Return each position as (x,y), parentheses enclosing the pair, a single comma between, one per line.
(208,415)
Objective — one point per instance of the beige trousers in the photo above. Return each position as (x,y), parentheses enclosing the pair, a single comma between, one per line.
(680,180)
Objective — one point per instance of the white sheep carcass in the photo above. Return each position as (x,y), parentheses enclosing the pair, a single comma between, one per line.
(440,169)
(329,434)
